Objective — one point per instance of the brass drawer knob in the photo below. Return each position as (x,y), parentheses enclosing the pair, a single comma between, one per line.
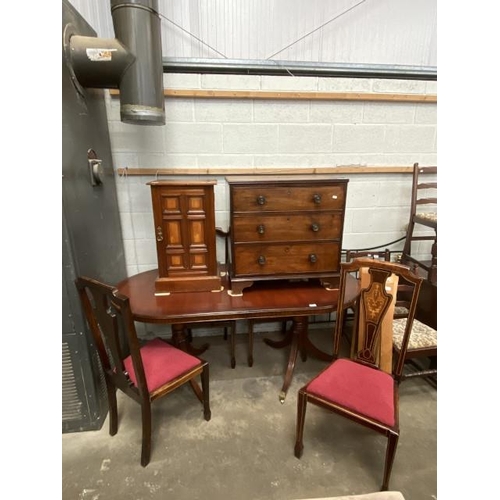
(261,260)
(313,258)
(261,200)
(315,227)
(317,199)
(261,228)
(159,234)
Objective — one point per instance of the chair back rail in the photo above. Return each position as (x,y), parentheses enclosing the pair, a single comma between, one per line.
(373,305)
(114,334)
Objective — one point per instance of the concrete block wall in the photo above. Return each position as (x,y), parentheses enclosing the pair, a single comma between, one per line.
(207,134)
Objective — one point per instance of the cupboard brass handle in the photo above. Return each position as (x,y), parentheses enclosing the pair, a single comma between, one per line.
(262,260)
(317,199)
(313,258)
(159,234)
(315,227)
(261,229)
(261,200)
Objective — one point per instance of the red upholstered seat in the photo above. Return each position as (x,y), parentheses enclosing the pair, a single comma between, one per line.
(162,363)
(365,390)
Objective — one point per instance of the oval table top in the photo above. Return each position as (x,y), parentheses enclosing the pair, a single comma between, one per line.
(275,298)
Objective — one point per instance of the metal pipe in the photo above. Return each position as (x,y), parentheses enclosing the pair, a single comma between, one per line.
(298,68)
(98,62)
(137,25)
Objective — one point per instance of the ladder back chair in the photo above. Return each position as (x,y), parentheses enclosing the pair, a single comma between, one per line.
(357,388)
(144,373)
(423,217)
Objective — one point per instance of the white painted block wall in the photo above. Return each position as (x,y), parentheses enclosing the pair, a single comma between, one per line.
(203,133)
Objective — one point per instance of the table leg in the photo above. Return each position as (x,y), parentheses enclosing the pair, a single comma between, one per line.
(180,339)
(298,337)
(232,341)
(298,328)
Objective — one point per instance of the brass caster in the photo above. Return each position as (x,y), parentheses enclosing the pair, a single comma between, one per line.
(282,397)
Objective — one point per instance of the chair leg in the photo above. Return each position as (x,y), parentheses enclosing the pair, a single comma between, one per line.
(433,269)
(206,393)
(409,236)
(433,363)
(398,366)
(250,343)
(301,415)
(113,409)
(146,432)
(392,443)
(196,389)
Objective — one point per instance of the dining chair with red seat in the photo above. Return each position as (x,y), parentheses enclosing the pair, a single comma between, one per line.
(145,372)
(356,387)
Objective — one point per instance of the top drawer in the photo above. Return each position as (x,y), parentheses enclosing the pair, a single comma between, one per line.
(278,198)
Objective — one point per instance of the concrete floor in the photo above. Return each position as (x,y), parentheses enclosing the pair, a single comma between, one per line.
(245,452)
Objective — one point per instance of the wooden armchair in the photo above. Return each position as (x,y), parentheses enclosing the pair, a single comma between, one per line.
(146,372)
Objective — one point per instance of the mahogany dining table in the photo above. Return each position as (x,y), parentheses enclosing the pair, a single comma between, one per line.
(297,299)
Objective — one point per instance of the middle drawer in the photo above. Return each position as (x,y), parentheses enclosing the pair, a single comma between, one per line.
(293,227)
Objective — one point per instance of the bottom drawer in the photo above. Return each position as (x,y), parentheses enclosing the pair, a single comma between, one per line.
(307,258)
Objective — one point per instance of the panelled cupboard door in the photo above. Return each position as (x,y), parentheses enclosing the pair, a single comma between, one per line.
(184,220)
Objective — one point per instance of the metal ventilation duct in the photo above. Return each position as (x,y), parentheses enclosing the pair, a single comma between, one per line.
(137,25)
(132,62)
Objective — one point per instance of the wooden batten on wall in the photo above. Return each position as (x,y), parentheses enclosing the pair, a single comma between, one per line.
(343,170)
(293,95)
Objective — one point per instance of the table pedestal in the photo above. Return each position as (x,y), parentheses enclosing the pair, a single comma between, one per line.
(182,340)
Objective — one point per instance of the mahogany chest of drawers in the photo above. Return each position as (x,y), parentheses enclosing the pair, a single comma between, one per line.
(184,219)
(285,227)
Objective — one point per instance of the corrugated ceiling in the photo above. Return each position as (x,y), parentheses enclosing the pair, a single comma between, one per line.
(371,32)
